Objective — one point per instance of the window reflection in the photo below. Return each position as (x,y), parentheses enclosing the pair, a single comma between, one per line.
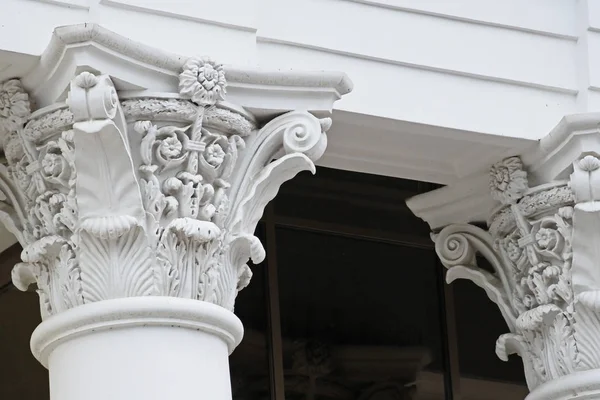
(359,318)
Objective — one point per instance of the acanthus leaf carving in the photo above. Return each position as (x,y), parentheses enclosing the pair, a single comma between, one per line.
(115,259)
(147,196)
(457,246)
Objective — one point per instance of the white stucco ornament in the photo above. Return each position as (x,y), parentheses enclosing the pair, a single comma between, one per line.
(136,201)
(108,205)
(542,244)
(529,246)
(203,81)
(508,180)
(14,106)
(141,214)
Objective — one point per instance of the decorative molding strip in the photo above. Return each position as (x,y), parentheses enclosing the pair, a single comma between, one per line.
(79,4)
(314,91)
(423,67)
(453,17)
(147,8)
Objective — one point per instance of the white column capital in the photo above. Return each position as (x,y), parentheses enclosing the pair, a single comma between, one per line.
(542,243)
(121,192)
(141,178)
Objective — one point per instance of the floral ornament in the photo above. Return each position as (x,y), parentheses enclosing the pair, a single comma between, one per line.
(214,155)
(219,155)
(170,148)
(13,149)
(167,144)
(54,167)
(548,284)
(551,238)
(513,250)
(508,180)
(14,106)
(203,81)
(545,238)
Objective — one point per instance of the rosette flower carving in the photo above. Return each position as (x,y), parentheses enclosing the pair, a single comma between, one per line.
(546,238)
(508,180)
(14,106)
(54,166)
(164,146)
(203,81)
(214,155)
(170,148)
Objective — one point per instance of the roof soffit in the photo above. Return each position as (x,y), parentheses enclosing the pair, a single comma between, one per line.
(547,160)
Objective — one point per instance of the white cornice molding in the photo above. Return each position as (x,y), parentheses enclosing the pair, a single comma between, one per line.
(549,159)
(135,66)
(552,158)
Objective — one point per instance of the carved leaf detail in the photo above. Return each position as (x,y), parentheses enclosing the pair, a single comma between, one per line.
(456,245)
(563,343)
(170,255)
(586,328)
(115,192)
(265,186)
(489,283)
(510,343)
(115,267)
(235,274)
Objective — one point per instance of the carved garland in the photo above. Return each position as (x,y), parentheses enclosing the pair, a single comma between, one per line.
(143,197)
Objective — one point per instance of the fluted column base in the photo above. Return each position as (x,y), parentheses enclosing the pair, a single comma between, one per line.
(140,348)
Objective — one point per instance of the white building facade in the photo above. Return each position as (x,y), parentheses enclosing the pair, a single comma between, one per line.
(143,140)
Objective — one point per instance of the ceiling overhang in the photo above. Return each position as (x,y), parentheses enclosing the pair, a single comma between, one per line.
(550,159)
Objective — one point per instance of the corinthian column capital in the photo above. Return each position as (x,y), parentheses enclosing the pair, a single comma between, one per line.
(542,244)
(149,196)
(135,196)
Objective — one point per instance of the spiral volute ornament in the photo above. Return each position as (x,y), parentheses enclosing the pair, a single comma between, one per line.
(454,248)
(305,136)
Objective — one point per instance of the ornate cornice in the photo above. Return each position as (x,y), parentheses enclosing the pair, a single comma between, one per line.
(136,67)
(146,195)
